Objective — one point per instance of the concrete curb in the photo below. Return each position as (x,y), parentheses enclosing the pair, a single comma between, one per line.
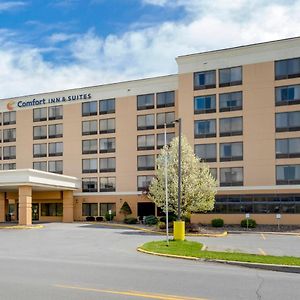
(223,234)
(265,232)
(22,227)
(269,267)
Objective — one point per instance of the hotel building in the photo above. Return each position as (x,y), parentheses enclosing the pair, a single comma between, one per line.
(240,110)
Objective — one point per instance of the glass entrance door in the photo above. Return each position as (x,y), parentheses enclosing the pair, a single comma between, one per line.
(35,211)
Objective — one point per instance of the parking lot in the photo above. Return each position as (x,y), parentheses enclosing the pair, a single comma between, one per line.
(86,261)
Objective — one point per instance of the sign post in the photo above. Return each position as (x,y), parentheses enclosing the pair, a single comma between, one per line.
(278,217)
(247,217)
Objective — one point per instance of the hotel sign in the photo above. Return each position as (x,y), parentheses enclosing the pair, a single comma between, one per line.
(17,104)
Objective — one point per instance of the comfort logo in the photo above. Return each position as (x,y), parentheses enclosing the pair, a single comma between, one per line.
(10,105)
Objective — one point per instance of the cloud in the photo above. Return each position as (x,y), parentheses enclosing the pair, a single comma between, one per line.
(142,52)
(11,5)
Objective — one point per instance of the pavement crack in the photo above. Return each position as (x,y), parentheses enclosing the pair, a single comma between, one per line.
(258,294)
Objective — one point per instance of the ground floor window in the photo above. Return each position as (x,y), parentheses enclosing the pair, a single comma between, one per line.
(51,209)
(257,204)
(90,209)
(106,207)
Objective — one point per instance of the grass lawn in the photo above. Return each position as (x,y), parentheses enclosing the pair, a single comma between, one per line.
(193,249)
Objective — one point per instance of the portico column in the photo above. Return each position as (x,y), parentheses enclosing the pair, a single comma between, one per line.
(68,207)
(2,207)
(25,205)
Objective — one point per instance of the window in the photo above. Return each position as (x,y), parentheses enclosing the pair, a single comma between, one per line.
(287,95)
(231,176)
(89,147)
(52,209)
(145,162)
(145,122)
(0,118)
(214,173)
(230,76)
(55,166)
(55,131)
(40,150)
(55,149)
(0,136)
(107,184)
(9,152)
(146,142)
(205,104)
(40,165)
(107,164)
(89,108)
(145,101)
(39,132)
(288,148)
(165,99)
(0,153)
(89,209)
(39,114)
(168,118)
(55,112)
(288,174)
(287,68)
(206,152)
(205,128)
(90,165)
(9,118)
(107,126)
(231,126)
(89,127)
(144,182)
(107,145)
(90,185)
(107,106)
(9,135)
(160,139)
(106,207)
(231,151)
(231,101)
(288,121)
(10,166)
(205,80)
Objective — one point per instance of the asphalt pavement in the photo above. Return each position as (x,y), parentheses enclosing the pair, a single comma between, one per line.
(83,261)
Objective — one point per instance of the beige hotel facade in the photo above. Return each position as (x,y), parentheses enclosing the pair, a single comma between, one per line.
(71,154)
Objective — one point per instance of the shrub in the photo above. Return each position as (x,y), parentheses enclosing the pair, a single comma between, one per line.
(161,225)
(171,218)
(90,219)
(194,228)
(251,223)
(217,222)
(109,217)
(151,220)
(130,220)
(99,219)
(125,209)
(186,219)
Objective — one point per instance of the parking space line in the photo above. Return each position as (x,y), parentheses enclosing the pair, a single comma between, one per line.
(263,236)
(262,251)
(130,293)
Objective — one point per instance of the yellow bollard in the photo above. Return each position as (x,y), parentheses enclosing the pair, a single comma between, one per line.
(179,230)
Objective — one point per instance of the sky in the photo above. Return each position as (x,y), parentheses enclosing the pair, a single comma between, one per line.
(62,44)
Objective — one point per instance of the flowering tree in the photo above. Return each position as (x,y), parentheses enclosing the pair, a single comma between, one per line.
(198,187)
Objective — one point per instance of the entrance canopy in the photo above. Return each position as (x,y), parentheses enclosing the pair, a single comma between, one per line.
(26,181)
(11,180)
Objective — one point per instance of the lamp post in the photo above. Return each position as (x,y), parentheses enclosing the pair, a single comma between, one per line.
(179,168)
(166,186)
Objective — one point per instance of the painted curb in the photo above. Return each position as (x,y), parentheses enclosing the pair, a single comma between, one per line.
(223,234)
(22,227)
(268,267)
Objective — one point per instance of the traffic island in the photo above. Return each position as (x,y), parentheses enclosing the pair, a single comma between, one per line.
(196,251)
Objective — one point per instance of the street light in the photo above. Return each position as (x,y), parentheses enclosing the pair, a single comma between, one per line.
(179,168)
(166,186)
